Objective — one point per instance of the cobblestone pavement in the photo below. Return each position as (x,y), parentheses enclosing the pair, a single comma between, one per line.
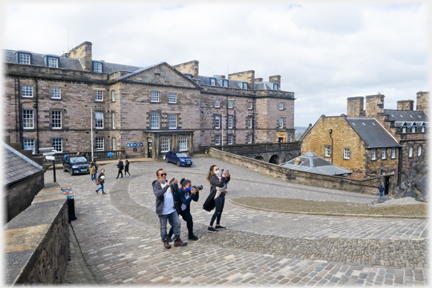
(119,236)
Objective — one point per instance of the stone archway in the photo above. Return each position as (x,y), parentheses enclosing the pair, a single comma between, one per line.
(274,159)
(259,158)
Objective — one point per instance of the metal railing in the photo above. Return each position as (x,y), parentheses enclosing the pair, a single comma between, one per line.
(98,155)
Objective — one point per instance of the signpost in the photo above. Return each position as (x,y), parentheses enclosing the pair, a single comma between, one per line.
(50,156)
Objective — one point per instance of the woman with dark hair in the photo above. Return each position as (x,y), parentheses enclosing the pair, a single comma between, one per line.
(183,198)
(216,198)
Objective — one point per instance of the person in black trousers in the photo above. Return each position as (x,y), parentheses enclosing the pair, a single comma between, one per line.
(183,198)
(120,167)
(127,168)
(216,199)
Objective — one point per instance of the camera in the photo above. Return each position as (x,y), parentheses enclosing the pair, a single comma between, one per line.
(200,187)
(172,180)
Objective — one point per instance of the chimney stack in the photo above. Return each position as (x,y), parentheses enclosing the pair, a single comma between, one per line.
(374,105)
(275,79)
(355,106)
(423,102)
(191,67)
(405,105)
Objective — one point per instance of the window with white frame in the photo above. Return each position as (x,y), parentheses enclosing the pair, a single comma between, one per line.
(423,129)
(183,143)
(99,144)
(52,62)
(249,139)
(230,121)
(373,154)
(212,82)
(217,140)
(165,145)
(97,67)
(275,86)
(98,95)
(410,152)
(230,104)
(113,120)
(172,98)
(28,119)
(281,106)
(55,93)
(172,121)
(24,58)
(327,151)
(392,171)
(27,91)
(114,145)
(154,96)
(154,121)
(250,122)
(393,153)
(113,95)
(56,120)
(403,129)
(419,151)
(230,139)
(217,122)
(383,172)
(245,85)
(250,105)
(383,154)
(225,83)
(290,137)
(347,153)
(57,144)
(29,144)
(99,120)
(413,129)
(217,103)
(281,124)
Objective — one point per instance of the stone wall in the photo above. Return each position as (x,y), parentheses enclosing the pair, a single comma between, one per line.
(36,242)
(365,186)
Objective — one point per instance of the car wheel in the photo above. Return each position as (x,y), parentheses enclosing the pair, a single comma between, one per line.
(166,159)
(64,169)
(178,163)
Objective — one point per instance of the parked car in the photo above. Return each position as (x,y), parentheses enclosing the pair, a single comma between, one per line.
(76,165)
(179,158)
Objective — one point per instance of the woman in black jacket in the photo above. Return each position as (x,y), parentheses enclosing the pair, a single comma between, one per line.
(183,198)
(216,198)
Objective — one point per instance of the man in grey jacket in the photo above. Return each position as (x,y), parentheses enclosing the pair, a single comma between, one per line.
(165,209)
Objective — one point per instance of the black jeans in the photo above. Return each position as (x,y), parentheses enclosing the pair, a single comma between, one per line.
(120,171)
(219,203)
(187,216)
(127,171)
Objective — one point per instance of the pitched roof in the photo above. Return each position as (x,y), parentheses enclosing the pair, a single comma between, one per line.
(372,133)
(38,60)
(264,86)
(205,80)
(112,67)
(310,162)
(406,115)
(18,165)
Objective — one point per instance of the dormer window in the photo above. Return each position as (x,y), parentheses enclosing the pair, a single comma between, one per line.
(24,58)
(52,62)
(423,127)
(413,129)
(188,75)
(244,85)
(225,83)
(275,86)
(212,82)
(97,67)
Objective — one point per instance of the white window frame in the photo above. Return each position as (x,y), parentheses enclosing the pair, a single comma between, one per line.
(346,154)
(100,144)
(154,119)
(114,144)
(24,58)
(113,95)
(217,140)
(250,107)
(419,151)
(56,119)
(281,124)
(28,118)
(249,139)
(97,67)
(245,86)
(281,106)
(250,122)
(225,83)
(373,154)
(230,121)
(383,154)
(165,144)
(413,129)
(154,96)
(27,91)
(422,129)
(230,139)
(230,104)
(172,119)
(393,153)
(217,103)
(275,86)
(183,143)
(98,95)
(56,145)
(99,120)
(172,98)
(217,122)
(404,130)
(55,92)
(52,62)
(29,143)
(113,120)
(327,151)
(410,152)
(212,81)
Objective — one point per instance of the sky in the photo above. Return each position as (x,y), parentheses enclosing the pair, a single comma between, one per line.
(323,52)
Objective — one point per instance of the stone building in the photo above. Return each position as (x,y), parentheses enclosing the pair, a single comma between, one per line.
(52,100)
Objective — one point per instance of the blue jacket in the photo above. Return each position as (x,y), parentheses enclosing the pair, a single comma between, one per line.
(180,197)
(381,189)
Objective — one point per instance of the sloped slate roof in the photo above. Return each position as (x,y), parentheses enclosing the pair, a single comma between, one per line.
(38,60)
(372,133)
(404,115)
(112,67)
(140,70)
(310,162)
(205,80)
(264,85)
(18,165)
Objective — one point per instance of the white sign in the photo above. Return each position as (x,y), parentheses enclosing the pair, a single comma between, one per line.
(48,157)
(48,153)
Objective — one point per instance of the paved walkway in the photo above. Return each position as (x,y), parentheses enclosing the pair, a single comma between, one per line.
(119,236)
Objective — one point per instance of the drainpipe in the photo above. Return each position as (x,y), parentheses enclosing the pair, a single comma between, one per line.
(37,116)
(331,151)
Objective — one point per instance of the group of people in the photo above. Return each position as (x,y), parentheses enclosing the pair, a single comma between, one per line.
(100,179)
(172,201)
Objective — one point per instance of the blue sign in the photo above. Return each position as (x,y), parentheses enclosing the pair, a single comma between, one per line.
(128,145)
(134,144)
(109,154)
(141,144)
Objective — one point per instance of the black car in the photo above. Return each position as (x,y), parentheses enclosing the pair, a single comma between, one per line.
(180,158)
(76,165)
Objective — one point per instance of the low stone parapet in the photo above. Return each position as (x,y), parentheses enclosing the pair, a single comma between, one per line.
(36,242)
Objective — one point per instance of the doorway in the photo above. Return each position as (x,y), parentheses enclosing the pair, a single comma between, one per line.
(149,149)
(386,185)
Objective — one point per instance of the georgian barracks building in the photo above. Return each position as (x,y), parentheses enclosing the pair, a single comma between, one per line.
(52,101)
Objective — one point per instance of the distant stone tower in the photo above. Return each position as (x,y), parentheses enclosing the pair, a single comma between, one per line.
(374,105)
(423,102)
(407,105)
(355,106)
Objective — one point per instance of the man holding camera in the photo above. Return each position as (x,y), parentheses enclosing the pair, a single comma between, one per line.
(165,209)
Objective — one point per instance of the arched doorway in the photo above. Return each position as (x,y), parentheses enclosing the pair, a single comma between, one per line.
(274,159)
(259,158)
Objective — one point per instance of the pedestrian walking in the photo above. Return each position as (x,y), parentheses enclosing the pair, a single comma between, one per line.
(127,168)
(164,191)
(381,190)
(216,198)
(120,167)
(96,166)
(92,170)
(183,198)
(100,180)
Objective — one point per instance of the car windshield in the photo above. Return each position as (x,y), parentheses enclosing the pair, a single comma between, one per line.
(78,159)
(181,155)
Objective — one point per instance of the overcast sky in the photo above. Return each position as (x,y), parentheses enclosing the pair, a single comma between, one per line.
(324,53)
